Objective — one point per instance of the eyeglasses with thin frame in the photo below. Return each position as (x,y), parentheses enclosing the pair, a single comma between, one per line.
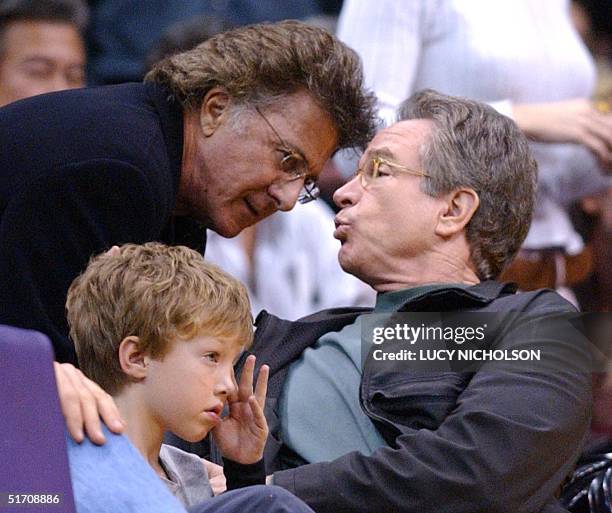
(372,170)
(294,165)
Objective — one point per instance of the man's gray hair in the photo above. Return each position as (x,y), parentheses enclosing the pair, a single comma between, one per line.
(264,63)
(472,145)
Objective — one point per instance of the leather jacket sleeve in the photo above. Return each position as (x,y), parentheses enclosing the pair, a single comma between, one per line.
(509,442)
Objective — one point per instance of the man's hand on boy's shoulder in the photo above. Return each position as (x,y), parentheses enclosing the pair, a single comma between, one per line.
(84,405)
(241,436)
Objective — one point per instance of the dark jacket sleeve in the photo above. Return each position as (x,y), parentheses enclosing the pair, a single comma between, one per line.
(53,225)
(238,475)
(506,447)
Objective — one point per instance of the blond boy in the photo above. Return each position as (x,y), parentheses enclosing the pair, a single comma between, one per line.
(159,329)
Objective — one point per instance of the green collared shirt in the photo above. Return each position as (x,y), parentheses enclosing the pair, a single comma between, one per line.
(319,408)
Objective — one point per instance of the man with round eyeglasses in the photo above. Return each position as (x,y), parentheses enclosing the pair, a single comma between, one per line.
(218,138)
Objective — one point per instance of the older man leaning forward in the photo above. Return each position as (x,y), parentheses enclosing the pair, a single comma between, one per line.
(217,138)
(439,206)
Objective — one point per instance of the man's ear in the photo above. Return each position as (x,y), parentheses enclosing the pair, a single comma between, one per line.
(461,205)
(214,106)
(132,360)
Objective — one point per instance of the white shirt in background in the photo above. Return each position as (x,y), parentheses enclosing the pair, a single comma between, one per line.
(296,269)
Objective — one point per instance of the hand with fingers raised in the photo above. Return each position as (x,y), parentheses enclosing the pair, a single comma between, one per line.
(241,436)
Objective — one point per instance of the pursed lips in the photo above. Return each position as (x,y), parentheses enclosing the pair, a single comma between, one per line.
(341,230)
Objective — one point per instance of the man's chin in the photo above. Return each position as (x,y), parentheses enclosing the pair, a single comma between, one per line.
(228,234)
(345,261)
(229,230)
(351,266)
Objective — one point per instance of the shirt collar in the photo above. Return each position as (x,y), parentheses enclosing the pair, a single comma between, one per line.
(456,297)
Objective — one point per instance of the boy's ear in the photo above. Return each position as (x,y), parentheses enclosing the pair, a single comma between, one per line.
(132,359)
(214,105)
(461,205)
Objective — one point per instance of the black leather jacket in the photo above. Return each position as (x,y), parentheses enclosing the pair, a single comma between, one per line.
(499,441)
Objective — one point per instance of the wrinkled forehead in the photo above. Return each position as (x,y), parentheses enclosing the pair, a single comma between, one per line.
(401,141)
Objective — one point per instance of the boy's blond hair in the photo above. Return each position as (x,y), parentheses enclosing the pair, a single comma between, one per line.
(157,293)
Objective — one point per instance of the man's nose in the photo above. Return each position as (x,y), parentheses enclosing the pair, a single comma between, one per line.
(348,194)
(285,194)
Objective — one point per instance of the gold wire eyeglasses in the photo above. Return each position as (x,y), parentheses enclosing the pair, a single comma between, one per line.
(372,170)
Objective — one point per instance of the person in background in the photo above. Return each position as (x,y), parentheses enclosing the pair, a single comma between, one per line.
(41,47)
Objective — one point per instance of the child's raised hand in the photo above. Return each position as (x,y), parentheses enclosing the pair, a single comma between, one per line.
(241,436)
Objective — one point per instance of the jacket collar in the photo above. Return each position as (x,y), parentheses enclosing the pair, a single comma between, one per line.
(454,297)
(170,115)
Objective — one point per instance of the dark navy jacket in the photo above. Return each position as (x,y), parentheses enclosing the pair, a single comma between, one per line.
(82,170)
(488,441)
